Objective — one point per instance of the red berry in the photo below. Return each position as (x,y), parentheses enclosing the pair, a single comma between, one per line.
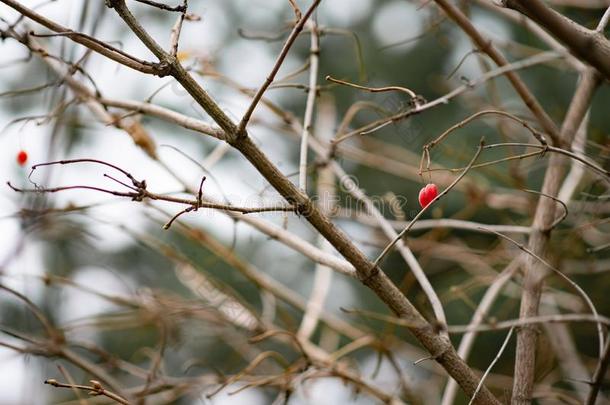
(427,194)
(22,157)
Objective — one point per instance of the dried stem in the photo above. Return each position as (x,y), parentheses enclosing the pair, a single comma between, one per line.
(94,44)
(534,272)
(326,200)
(95,389)
(276,67)
(495,360)
(313,361)
(389,247)
(598,376)
(581,292)
(314,58)
(486,46)
(467,341)
(410,92)
(588,45)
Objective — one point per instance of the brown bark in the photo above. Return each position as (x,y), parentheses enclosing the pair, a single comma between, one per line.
(587,45)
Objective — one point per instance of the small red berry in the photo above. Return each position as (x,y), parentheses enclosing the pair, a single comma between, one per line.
(22,157)
(427,194)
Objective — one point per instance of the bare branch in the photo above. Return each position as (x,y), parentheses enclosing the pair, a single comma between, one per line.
(176,30)
(326,194)
(181,8)
(580,291)
(589,46)
(411,93)
(520,87)
(314,58)
(441,137)
(481,312)
(375,125)
(495,360)
(389,247)
(276,67)
(598,376)
(534,272)
(92,43)
(95,389)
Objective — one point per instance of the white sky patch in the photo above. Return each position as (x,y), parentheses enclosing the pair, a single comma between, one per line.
(259,59)
(490,27)
(263,13)
(15,372)
(99,279)
(23,271)
(397,21)
(206,37)
(13,377)
(345,13)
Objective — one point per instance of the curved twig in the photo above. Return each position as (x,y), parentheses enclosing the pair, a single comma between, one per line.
(389,247)
(581,292)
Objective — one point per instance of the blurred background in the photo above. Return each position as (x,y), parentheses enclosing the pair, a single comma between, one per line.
(84,257)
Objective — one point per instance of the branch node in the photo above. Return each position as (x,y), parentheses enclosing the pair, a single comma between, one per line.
(366,278)
(163,68)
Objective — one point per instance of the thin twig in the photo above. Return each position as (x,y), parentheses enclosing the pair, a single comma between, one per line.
(581,292)
(572,155)
(495,360)
(136,183)
(485,45)
(64,188)
(598,376)
(94,44)
(467,341)
(276,67)
(181,8)
(411,93)
(177,29)
(442,223)
(95,389)
(46,324)
(326,193)
(314,59)
(543,57)
(557,200)
(296,9)
(71,381)
(603,22)
(491,326)
(389,247)
(441,137)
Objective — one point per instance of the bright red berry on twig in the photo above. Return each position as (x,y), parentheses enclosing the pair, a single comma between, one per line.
(427,194)
(22,157)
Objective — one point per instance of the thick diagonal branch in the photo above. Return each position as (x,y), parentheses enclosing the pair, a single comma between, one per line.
(587,45)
